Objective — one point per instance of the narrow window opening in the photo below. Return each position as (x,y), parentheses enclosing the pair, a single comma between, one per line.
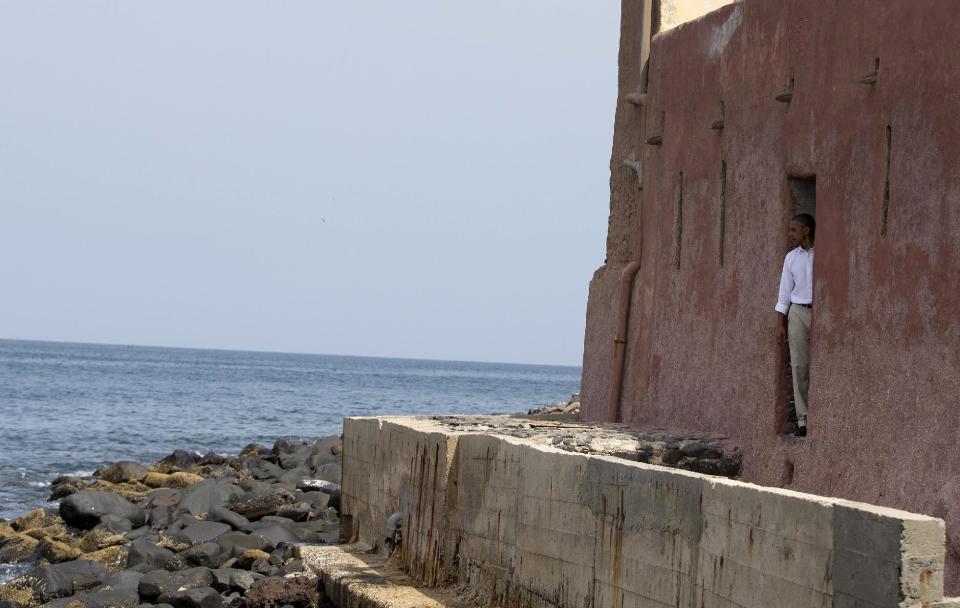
(723,207)
(679,222)
(886,185)
(803,198)
(803,194)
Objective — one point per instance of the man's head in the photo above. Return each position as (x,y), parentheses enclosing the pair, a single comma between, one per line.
(803,230)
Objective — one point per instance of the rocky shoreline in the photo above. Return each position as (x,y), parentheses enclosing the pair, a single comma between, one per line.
(188,531)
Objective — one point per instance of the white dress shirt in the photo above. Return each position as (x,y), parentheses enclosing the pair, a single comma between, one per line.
(796,282)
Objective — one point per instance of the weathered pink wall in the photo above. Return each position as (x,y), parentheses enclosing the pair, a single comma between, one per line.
(702,353)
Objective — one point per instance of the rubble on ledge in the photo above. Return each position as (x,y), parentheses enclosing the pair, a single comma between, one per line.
(697,452)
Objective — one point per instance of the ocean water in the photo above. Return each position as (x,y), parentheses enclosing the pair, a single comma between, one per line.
(71,408)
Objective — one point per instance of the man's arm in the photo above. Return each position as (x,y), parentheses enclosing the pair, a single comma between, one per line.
(783,299)
(786,287)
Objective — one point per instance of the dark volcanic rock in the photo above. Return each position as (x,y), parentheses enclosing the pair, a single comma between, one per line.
(698,449)
(119,598)
(160,516)
(256,505)
(145,555)
(204,554)
(178,460)
(274,535)
(208,494)
(60,580)
(126,580)
(261,469)
(61,487)
(296,591)
(199,532)
(297,512)
(212,458)
(125,470)
(200,597)
(329,472)
(318,500)
(254,449)
(167,497)
(226,516)
(671,456)
(282,446)
(232,579)
(115,524)
(85,509)
(233,544)
(157,582)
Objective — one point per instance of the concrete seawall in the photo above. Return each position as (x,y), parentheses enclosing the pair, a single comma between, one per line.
(514,522)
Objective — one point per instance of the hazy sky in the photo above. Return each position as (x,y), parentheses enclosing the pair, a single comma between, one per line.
(413,179)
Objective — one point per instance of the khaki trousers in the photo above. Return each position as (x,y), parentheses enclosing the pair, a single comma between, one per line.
(798,336)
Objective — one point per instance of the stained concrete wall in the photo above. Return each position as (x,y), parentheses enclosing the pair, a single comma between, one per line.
(392,468)
(702,351)
(523,524)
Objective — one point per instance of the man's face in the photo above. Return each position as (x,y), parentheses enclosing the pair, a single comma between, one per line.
(796,232)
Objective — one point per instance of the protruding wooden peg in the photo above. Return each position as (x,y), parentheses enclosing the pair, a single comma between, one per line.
(871,77)
(655,140)
(637,99)
(631,162)
(717,125)
(786,96)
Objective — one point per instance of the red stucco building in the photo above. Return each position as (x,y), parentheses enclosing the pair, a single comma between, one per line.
(724,127)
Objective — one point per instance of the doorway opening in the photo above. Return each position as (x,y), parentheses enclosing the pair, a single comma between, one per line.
(803,199)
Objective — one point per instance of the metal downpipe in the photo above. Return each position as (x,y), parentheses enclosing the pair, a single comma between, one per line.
(620,340)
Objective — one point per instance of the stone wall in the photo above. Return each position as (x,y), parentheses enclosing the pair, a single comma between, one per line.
(518,523)
(863,96)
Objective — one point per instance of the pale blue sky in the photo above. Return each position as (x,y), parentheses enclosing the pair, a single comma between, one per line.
(420,179)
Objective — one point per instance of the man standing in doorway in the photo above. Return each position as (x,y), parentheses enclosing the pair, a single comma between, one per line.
(795,304)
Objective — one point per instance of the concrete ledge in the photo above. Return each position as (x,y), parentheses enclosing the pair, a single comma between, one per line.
(354,578)
(517,522)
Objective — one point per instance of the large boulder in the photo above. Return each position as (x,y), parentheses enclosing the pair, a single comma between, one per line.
(38,518)
(318,501)
(115,524)
(262,469)
(99,538)
(198,532)
(212,458)
(85,509)
(123,471)
(204,554)
(145,555)
(274,535)
(157,582)
(226,516)
(56,552)
(166,497)
(123,580)
(254,449)
(114,559)
(254,505)
(17,548)
(112,598)
(233,544)
(179,460)
(200,597)
(60,580)
(62,487)
(208,494)
(329,472)
(226,580)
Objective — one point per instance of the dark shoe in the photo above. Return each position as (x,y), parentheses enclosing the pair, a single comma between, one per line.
(802,431)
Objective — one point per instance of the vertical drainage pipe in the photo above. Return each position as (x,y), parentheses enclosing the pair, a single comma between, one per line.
(620,340)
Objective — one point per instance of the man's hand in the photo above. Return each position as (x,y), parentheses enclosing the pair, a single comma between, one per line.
(782,331)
